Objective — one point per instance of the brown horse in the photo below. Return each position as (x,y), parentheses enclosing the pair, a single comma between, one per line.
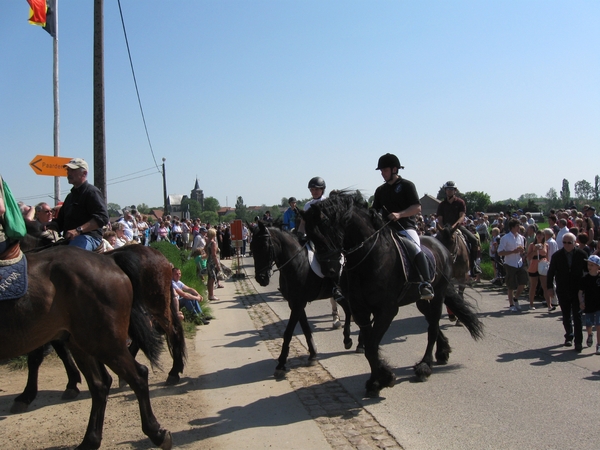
(150,273)
(88,300)
(456,244)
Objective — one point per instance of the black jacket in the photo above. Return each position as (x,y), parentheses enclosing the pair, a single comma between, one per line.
(567,278)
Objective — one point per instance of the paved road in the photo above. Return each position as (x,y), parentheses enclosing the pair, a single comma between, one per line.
(518,388)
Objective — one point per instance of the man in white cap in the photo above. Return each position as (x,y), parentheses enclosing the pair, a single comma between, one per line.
(84,211)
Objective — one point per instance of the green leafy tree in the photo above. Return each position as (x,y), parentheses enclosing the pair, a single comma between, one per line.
(195,208)
(209,217)
(143,208)
(584,190)
(211,204)
(596,188)
(229,217)
(476,201)
(240,208)
(113,209)
(284,202)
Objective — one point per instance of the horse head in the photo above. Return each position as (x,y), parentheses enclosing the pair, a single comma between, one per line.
(262,252)
(326,223)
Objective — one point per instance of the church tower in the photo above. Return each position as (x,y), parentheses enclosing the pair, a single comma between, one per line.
(197,194)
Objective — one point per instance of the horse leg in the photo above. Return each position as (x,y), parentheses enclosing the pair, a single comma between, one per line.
(442,353)
(134,348)
(285,346)
(99,382)
(381,374)
(312,347)
(432,311)
(347,323)
(34,361)
(73,375)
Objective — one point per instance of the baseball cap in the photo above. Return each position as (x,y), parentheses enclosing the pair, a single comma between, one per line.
(594,259)
(77,163)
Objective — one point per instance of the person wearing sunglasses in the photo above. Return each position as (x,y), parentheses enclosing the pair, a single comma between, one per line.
(567,267)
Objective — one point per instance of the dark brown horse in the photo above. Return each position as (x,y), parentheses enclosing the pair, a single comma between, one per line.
(87,300)
(456,244)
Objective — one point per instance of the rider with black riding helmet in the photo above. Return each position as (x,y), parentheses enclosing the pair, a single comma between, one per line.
(398,201)
(290,216)
(452,211)
(317,186)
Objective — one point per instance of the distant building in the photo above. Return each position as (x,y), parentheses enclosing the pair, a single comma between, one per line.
(174,201)
(429,205)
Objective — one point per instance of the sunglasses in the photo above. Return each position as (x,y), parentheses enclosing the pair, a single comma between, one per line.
(568,242)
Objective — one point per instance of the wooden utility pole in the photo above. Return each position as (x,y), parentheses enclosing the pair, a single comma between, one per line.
(99,122)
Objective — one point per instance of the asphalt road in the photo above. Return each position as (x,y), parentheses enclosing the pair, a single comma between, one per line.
(517,388)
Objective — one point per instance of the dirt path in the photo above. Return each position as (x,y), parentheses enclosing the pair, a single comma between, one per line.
(52,423)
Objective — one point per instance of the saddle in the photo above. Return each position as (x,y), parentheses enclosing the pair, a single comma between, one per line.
(312,260)
(13,273)
(407,250)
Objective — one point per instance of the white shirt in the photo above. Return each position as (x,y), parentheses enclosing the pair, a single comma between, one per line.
(559,236)
(308,204)
(552,247)
(510,242)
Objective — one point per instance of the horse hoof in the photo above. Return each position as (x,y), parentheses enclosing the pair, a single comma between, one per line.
(372,393)
(172,380)
(19,408)
(360,350)
(279,374)
(422,372)
(122,383)
(70,394)
(167,442)
(348,344)
(313,361)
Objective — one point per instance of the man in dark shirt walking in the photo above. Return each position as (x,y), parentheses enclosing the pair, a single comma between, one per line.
(84,211)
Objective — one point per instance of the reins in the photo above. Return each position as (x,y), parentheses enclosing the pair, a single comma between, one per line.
(269,268)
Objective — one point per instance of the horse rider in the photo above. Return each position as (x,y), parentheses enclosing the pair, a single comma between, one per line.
(84,211)
(398,201)
(451,212)
(317,186)
(290,216)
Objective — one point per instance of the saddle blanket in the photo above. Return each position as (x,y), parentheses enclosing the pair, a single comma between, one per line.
(13,277)
(412,275)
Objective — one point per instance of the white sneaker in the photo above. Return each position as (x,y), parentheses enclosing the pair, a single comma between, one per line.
(517,305)
(513,308)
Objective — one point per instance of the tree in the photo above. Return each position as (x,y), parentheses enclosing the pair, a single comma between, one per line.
(565,193)
(114,209)
(596,188)
(143,208)
(284,202)
(476,201)
(527,197)
(209,217)
(195,208)
(584,190)
(240,208)
(211,204)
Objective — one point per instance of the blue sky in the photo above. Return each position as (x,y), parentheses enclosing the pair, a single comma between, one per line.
(256,97)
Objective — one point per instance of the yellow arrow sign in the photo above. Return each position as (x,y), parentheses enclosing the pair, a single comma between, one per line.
(49,165)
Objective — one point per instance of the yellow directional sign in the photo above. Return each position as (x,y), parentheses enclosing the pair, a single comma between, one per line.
(49,165)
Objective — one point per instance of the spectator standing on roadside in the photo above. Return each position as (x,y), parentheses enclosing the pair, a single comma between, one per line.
(512,246)
(589,300)
(567,268)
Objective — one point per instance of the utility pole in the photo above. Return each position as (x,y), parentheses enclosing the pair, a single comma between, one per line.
(99,122)
(165,187)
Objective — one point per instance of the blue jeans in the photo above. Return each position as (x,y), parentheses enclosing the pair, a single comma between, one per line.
(191,305)
(86,242)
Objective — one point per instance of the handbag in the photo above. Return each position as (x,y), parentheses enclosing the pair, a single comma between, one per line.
(543,267)
(14,224)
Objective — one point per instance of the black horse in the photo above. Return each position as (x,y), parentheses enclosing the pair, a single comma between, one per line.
(374,281)
(298,285)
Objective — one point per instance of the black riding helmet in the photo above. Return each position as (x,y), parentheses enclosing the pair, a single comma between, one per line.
(317,182)
(450,185)
(388,160)
(292,199)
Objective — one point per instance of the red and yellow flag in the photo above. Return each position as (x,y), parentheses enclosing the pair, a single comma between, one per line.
(41,12)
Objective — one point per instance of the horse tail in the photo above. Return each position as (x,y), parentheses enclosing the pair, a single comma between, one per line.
(140,323)
(144,334)
(465,312)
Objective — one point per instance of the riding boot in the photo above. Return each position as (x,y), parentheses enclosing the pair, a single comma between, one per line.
(425,288)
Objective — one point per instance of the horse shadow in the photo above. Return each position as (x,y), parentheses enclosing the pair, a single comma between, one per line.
(543,356)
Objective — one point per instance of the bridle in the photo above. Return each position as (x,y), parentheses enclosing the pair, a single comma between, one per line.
(268,270)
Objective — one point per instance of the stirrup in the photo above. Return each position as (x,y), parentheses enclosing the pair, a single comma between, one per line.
(426,291)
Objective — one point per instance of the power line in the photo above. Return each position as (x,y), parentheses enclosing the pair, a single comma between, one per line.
(136,87)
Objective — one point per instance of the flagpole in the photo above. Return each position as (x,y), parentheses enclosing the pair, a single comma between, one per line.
(56,104)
